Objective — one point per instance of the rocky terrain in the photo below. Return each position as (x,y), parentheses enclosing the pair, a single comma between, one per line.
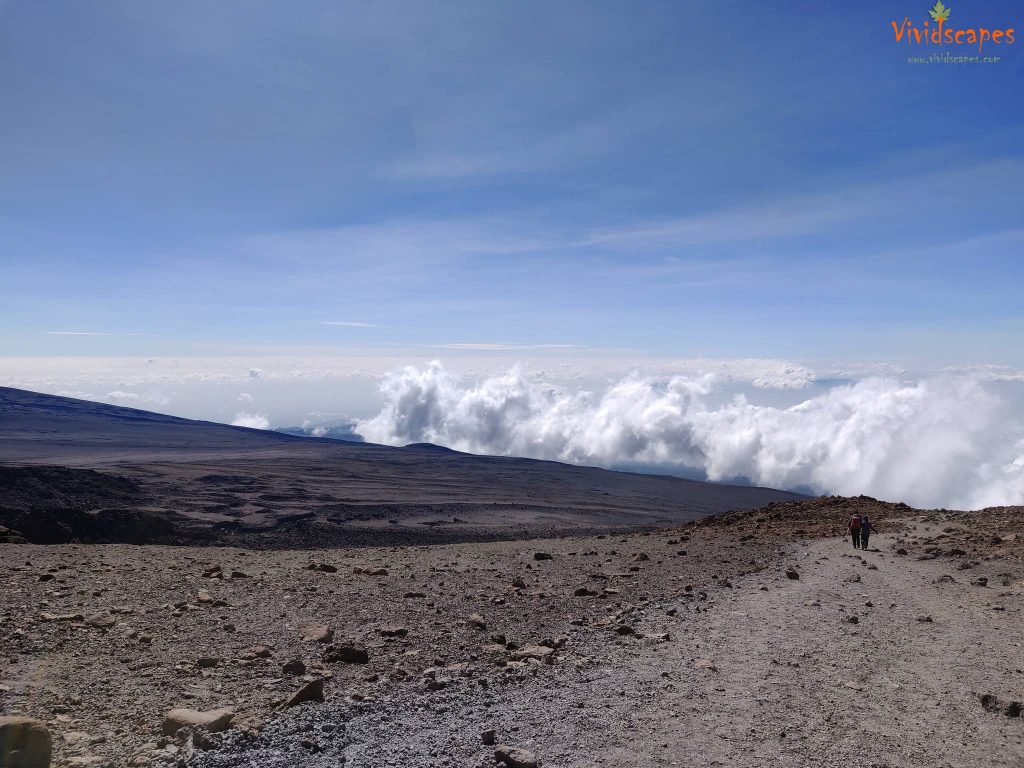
(750,639)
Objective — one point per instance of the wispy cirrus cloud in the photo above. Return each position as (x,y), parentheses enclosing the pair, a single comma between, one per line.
(814,212)
(89,333)
(503,347)
(349,324)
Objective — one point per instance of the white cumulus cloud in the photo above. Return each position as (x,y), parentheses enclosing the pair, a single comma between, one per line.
(251,420)
(933,442)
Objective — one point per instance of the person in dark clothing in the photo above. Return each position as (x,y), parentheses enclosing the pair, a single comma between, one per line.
(855,530)
(865,531)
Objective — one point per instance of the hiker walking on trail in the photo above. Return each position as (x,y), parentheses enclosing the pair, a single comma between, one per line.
(855,530)
(865,531)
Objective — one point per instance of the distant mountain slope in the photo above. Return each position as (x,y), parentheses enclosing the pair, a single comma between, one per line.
(241,484)
(39,426)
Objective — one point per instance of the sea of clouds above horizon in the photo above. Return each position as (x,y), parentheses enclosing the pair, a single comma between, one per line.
(949,438)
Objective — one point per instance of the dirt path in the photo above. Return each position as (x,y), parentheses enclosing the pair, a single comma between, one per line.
(797,684)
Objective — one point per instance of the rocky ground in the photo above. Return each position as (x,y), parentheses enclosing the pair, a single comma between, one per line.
(752,639)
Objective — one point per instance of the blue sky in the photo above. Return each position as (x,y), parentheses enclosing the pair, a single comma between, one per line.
(632,180)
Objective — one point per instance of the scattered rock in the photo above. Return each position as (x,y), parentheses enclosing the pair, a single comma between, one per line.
(317,633)
(488,737)
(294,667)
(256,652)
(538,652)
(514,757)
(101,620)
(61,617)
(311,691)
(994,704)
(541,555)
(394,631)
(477,621)
(214,720)
(792,575)
(370,571)
(84,761)
(349,652)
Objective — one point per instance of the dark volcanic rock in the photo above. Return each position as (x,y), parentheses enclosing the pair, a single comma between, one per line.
(311,691)
(994,704)
(348,653)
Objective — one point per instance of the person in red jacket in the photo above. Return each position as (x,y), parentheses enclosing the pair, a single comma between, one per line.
(855,530)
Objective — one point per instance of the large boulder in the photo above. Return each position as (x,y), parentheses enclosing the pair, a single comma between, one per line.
(24,743)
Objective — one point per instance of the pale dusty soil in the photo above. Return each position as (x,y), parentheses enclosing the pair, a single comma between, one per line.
(796,684)
(793,682)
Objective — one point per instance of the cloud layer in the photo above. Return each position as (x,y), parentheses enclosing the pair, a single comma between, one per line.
(942,441)
(251,420)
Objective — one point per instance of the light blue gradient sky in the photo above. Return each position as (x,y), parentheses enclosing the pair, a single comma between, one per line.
(635,179)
